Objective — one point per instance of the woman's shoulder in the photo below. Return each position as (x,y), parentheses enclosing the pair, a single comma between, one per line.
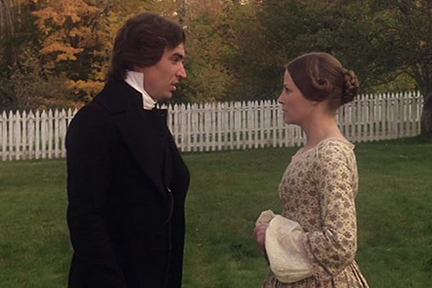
(330,148)
(335,143)
(326,148)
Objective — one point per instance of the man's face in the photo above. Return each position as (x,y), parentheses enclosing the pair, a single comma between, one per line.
(161,79)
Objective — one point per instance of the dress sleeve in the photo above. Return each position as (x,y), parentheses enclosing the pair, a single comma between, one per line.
(332,248)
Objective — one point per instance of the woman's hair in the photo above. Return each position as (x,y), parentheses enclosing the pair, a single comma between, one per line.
(321,77)
(142,41)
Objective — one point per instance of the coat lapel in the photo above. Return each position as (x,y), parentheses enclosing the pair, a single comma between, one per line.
(137,130)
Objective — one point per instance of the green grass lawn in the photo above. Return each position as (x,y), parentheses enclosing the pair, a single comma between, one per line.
(228,191)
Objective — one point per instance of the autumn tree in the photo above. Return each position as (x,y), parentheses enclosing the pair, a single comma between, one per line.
(74,42)
(38,75)
(20,83)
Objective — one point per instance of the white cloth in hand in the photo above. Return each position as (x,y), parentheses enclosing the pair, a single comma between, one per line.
(283,248)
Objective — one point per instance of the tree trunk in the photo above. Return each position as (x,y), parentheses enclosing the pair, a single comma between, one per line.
(7,31)
(426,118)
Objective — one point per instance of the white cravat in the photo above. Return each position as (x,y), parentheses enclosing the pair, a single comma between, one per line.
(136,81)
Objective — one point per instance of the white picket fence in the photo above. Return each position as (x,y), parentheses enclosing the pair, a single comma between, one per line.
(34,135)
(221,126)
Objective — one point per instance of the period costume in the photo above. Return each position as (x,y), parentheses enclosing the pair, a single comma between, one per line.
(318,226)
(127,185)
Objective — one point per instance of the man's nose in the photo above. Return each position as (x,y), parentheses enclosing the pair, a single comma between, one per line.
(181,73)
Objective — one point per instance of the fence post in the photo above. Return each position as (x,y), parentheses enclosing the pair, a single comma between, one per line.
(31,136)
(3,134)
(11,135)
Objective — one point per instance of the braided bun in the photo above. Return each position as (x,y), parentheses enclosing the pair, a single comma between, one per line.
(350,86)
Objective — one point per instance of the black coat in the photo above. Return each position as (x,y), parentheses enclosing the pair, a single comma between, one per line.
(127,185)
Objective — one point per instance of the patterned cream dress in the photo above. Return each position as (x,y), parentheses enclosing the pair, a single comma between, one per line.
(318,190)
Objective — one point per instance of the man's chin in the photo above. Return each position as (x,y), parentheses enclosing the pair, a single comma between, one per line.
(164,97)
(168,96)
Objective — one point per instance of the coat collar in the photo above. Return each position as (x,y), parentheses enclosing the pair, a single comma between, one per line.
(137,127)
(117,96)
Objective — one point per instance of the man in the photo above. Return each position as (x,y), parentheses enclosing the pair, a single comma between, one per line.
(127,182)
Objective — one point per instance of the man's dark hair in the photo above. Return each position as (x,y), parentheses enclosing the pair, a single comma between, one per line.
(142,41)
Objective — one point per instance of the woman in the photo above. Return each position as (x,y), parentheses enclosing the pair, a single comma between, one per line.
(314,242)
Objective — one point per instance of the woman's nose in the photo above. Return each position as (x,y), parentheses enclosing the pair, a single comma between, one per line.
(279,99)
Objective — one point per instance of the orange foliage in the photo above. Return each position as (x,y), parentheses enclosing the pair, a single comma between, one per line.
(90,87)
(68,26)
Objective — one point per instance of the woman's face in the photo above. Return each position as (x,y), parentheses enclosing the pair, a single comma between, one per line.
(297,109)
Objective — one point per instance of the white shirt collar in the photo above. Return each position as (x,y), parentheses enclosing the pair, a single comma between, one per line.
(136,81)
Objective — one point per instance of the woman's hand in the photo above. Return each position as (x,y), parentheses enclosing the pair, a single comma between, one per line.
(259,235)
